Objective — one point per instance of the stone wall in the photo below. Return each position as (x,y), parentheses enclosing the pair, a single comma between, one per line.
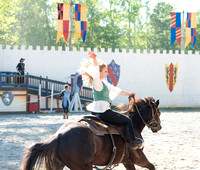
(141,72)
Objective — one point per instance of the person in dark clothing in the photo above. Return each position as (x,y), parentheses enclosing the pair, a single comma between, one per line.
(65,96)
(20,71)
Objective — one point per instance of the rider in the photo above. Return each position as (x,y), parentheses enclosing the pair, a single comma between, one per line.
(94,73)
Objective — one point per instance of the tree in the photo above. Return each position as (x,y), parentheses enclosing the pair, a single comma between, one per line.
(8,32)
(160,25)
(33,23)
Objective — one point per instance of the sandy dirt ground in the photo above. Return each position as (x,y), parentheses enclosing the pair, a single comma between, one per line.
(175,147)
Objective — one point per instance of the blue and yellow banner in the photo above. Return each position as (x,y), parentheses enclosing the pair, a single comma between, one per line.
(175,28)
(191,29)
(80,22)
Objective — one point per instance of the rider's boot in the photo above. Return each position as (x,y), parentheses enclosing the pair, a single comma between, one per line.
(136,143)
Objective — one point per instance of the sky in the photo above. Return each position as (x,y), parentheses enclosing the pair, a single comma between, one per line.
(180,5)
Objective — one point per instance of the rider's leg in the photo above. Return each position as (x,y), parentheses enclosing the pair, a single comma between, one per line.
(118,118)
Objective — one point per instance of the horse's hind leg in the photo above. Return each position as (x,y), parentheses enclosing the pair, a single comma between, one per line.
(57,165)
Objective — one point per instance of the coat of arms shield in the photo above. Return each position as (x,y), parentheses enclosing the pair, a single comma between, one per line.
(113,73)
(7,98)
(171,75)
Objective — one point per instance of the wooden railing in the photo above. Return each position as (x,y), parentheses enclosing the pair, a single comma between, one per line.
(12,79)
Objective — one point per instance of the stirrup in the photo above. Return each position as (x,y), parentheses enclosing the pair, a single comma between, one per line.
(140,144)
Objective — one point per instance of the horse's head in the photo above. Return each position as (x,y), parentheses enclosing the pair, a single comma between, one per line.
(147,110)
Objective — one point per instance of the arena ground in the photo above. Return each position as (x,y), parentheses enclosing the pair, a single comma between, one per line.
(175,147)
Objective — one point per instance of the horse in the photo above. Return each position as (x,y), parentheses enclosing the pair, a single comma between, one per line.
(76,146)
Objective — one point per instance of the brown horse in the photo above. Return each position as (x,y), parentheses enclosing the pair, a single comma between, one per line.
(76,146)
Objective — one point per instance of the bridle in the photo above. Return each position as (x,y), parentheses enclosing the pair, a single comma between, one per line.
(153,123)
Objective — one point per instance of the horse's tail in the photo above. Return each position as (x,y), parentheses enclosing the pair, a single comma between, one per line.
(39,152)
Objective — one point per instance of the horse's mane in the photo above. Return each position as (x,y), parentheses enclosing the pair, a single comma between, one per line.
(141,102)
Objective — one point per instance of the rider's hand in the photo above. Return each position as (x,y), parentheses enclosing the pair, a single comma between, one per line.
(92,55)
(132,95)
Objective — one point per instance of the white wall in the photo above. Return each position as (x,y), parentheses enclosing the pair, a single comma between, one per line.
(142,73)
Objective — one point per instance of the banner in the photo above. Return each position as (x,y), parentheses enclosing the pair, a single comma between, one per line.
(113,73)
(63,23)
(191,29)
(171,75)
(175,28)
(80,22)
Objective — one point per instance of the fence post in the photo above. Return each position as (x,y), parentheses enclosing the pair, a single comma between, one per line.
(46,92)
(40,79)
(0,81)
(51,107)
(27,81)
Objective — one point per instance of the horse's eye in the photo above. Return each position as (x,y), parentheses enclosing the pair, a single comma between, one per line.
(151,103)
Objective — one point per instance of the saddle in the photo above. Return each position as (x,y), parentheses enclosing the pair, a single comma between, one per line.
(102,128)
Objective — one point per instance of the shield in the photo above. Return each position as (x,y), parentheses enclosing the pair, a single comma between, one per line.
(7,98)
(171,75)
(113,73)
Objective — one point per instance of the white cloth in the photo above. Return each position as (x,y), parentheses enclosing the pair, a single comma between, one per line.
(101,106)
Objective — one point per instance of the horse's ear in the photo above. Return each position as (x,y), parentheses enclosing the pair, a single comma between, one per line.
(157,102)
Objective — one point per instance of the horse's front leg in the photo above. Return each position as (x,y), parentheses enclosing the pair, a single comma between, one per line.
(128,165)
(138,157)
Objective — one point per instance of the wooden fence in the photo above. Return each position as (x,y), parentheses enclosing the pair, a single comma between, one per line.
(13,79)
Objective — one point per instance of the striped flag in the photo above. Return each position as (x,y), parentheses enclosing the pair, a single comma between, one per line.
(191,29)
(175,28)
(80,22)
(63,23)
(171,75)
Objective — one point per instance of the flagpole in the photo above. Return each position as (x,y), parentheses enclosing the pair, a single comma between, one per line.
(70,32)
(183,33)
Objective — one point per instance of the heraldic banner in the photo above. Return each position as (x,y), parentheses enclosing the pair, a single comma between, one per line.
(191,29)
(175,28)
(171,75)
(113,73)
(80,22)
(63,23)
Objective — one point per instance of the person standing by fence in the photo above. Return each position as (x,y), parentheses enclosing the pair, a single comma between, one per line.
(65,96)
(20,71)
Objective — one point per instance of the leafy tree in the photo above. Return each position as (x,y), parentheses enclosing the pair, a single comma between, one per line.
(8,32)
(33,23)
(160,21)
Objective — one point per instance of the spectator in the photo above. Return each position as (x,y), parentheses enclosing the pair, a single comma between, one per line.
(65,96)
(20,71)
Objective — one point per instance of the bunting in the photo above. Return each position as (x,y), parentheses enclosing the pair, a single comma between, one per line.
(63,23)
(175,28)
(80,22)
(191,29)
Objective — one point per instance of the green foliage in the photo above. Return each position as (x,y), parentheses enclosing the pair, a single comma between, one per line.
(160,21)
(8,33)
